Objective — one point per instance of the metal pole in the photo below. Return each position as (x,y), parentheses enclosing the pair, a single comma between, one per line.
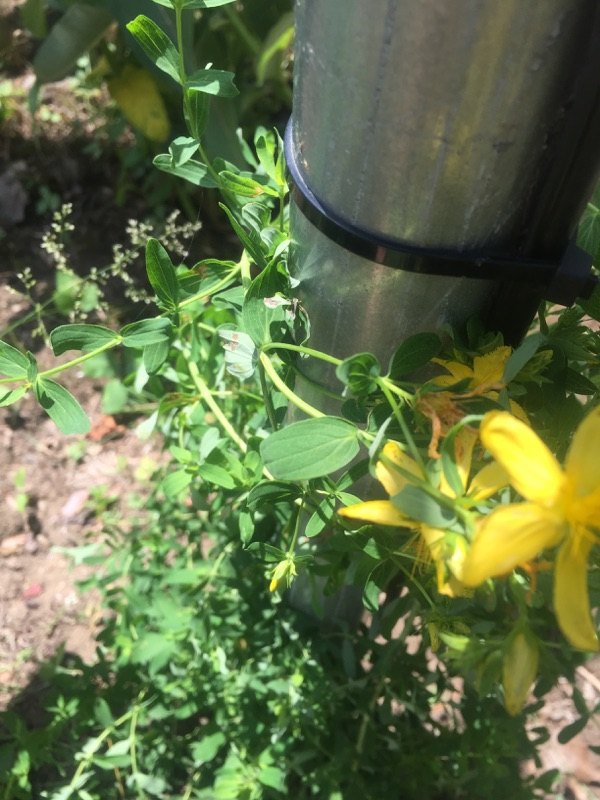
(452,127)
(456,140)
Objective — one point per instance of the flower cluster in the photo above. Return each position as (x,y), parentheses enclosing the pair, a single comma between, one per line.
(560,513)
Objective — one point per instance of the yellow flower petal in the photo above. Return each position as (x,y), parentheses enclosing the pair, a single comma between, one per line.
(379,512)
(458,372)
(488,369)
(571,600)
(510,536)
(583,459)
(488,481)
(391,480)
(533,470)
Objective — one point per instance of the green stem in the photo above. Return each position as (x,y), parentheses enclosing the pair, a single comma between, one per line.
(285,390)
(222,284)
(208,399)
(68,364)
(132,748)
(383,385)
(179,28)
(267,397)
(80,359)
(298,348)
(249,39)
(292,546)
(90,752)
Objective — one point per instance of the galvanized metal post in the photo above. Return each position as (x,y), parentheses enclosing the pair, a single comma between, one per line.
(455,140)
(463,128)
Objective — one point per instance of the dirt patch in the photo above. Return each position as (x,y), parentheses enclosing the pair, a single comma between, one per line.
(53,489)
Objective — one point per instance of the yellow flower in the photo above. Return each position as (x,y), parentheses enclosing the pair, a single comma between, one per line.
(484,380)
(484,376)
(562,508)
(448,550)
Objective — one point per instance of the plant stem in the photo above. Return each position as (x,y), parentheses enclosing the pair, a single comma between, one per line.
(249,39)
(179,28)
(285,390)
(132,748)
(298,348)
(207,398)
(268,401)
(407,435)
(80,359)
(68,364)
(222,284)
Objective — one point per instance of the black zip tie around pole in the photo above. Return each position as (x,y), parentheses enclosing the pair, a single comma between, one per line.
(561,281)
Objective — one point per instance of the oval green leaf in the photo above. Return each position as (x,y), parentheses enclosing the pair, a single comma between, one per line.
(60,405)
(414,353)
(161,274)
(310,448)
(145,332)
(156,44)
(13,363)
(81,337)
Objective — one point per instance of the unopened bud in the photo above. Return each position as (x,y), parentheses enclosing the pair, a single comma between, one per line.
(519,669)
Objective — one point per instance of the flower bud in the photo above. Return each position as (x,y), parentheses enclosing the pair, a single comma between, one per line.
(519,669)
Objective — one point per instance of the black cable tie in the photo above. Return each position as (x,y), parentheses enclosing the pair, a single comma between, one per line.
(561,281)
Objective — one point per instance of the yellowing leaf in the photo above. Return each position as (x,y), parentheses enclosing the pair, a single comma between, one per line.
(137,95)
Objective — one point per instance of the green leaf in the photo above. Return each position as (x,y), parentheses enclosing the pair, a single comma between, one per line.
(161,274)
(192,171)
(155,355)
(182,149)
(10,396)
(102,713)
(156,44)
(154,649)
(81,337)
(240,353)
(213,473)
(146,331)
(195,110)
(321,517)
(245,186)
(13,363)
(74,34)
(271,493)
(310,448)
(588,233)
(264,304)
(575,382)
(60,405)
(591,305)
(269,149)
(570,731)
(217,82)
(359,373)
(32,367)
(207,748)
(414,353)
(420,506)
(519,358)
(176,482)
(246,524)
(250,240)
(272,777)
